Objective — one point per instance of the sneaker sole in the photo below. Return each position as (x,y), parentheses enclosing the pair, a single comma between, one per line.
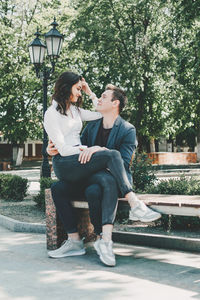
(72,253)
(101,258)
(145,220)
(105,263)
(96,248)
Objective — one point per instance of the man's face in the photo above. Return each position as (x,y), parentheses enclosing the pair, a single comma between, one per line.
(105,103)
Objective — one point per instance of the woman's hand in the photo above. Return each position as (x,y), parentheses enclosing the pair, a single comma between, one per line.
(51,149)
(85,87)
(86,154)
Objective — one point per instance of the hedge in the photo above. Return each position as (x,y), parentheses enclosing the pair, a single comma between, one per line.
(13,187)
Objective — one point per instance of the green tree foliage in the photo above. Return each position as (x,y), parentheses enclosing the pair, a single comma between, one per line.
(149,47)
(18,87)
(183,42)
(20,90)
(123,42)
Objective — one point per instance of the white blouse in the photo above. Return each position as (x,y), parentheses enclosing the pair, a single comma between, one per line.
(64,131)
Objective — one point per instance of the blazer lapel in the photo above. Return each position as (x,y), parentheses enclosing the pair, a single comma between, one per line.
(113,133)
(95,130)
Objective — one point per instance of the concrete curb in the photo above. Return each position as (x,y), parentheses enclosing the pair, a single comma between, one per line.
(157,241)
(132,238)
(18,226)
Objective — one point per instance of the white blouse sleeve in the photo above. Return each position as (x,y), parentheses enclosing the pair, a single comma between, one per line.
(55,134)
(88,115)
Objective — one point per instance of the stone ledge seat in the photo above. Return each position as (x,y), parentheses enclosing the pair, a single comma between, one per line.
(182,205)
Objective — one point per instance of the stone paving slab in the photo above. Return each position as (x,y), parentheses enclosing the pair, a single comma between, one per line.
(141,273)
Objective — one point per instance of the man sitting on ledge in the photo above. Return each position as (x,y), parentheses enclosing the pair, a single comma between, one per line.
(100,190)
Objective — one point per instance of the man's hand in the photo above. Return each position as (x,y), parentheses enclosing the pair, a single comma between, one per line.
(86,154)
(51,150)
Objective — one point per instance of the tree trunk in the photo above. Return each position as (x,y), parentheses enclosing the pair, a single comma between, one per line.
(152,145)
(157,145)
(18,151)
(19,156)
(14,154)
(140,140)
(198,145)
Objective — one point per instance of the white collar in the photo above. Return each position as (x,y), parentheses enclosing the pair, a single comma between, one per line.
(54,103)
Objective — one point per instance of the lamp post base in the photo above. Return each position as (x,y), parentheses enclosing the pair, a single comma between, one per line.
(45,170)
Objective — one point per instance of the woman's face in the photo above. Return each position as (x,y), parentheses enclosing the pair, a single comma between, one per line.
(76,92)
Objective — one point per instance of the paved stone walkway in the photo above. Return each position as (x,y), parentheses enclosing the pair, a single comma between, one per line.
(33,176)
(141,273)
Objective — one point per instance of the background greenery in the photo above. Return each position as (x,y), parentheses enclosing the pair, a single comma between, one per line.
(13,187)
(149,47)
(45,183)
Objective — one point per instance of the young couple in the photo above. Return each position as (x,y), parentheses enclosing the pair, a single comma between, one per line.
(96,165)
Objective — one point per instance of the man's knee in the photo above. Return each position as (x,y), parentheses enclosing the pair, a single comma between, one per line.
(58,186)
(59,190)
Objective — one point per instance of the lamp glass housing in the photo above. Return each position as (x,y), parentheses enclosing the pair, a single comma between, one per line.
(54,45)
(36,54)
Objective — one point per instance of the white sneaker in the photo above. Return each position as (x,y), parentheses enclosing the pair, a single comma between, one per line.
(105,252)
(143,213)
(68,248)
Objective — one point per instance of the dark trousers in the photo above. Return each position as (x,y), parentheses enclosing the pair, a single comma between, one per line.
(101,192)
(69,169)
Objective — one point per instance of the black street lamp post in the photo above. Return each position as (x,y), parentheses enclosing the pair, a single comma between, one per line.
(37,50)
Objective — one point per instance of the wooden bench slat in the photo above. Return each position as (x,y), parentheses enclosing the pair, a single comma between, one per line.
(171,200)
(165,204)
(155,200)
(80,204)
(182,205)
(177,210)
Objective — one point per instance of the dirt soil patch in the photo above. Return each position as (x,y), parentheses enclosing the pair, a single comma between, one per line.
(24,211)
(28,211)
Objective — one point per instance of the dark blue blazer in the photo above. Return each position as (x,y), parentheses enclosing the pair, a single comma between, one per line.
(122,138)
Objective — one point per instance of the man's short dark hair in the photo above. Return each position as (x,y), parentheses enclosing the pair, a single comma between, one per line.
(118,94)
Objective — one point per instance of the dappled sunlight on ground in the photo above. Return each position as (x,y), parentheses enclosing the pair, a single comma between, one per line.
(178,258)
(27,273)
(18,240)
(5,296)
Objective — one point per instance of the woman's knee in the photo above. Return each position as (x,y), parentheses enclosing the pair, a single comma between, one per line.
(115,154)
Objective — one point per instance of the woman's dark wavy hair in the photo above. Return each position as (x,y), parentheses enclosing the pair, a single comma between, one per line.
(63,89)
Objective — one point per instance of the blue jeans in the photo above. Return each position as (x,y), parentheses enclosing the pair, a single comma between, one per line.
(69,169)
(100,191)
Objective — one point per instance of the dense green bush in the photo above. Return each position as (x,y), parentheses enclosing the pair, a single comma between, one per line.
(45,183)
(13,187)
(142,171)
(173,186)
(178,186)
